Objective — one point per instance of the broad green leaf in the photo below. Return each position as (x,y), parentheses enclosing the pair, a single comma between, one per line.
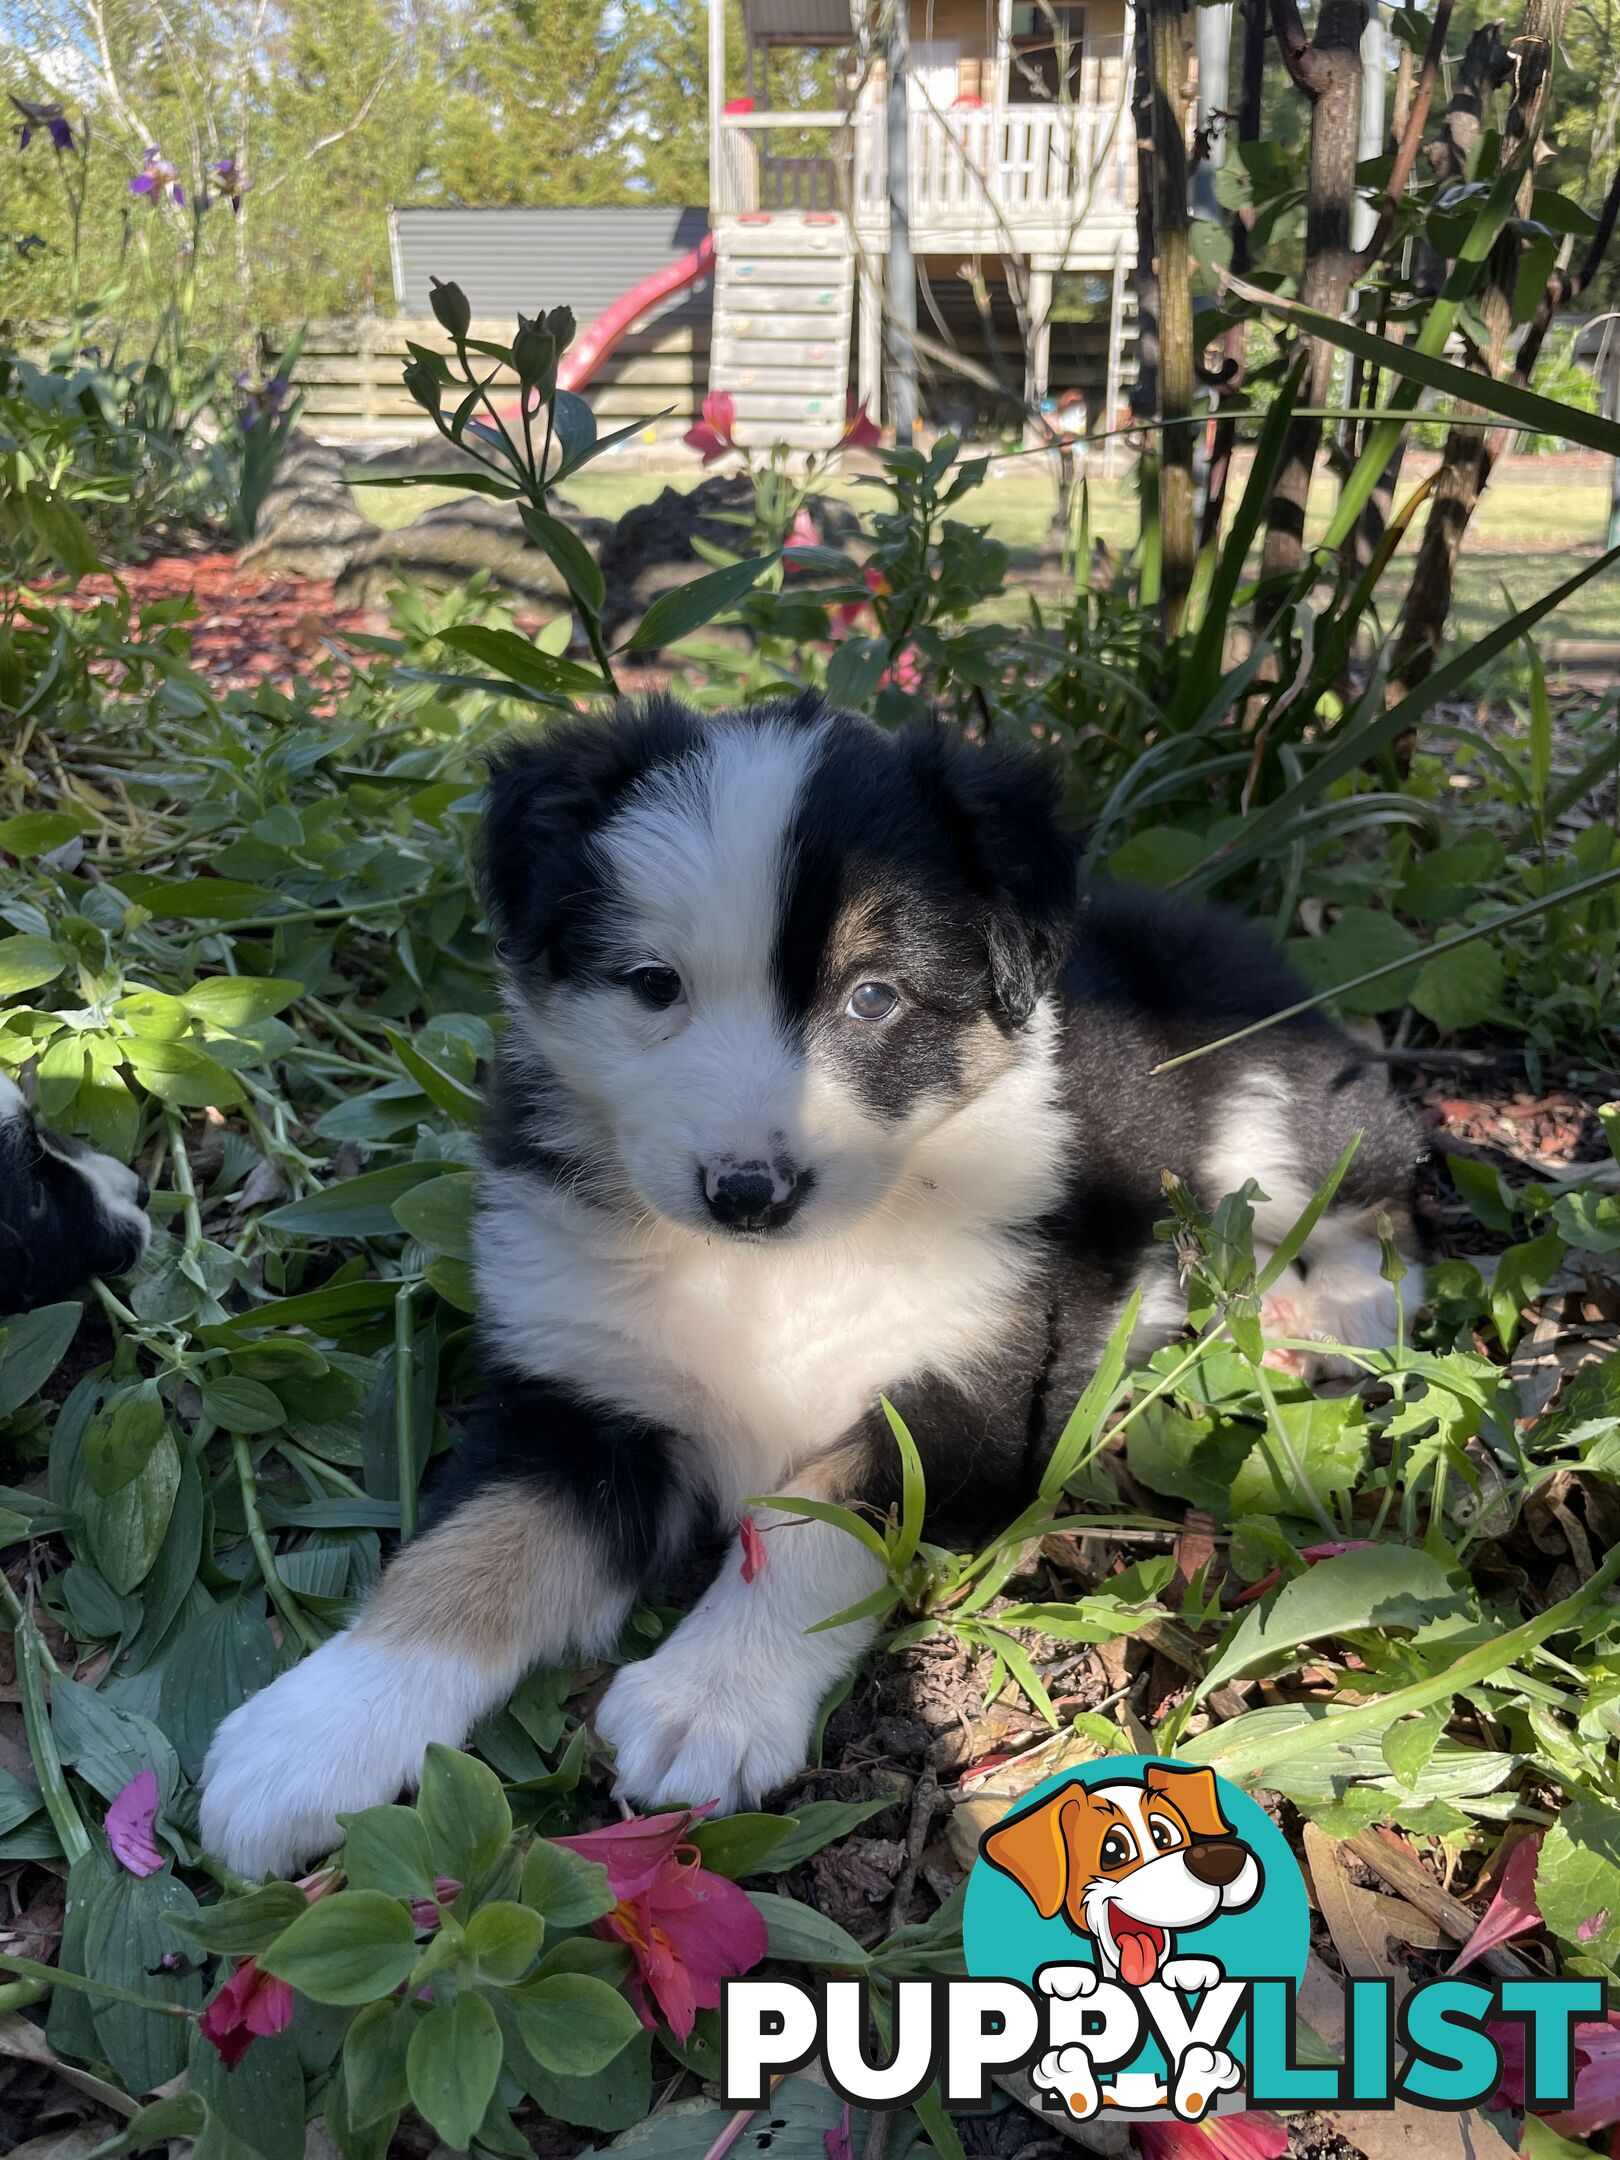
(37,832)
(451,2065)
(1375,1586)
(739,1845)
(119,1440)
(27,962)
(32,1345)
(259,2104)
(197,899)
(1459,989)
(462,1103)
(353,1207)
(568,1889)
(220,1658)
(1328,1437)
(241,1926)
(817,1823)
(506,653)
(1578,1880)
(181,1074)
(675,614)
(1361,939)
(126,1939)
(239,1405)
(505,1938)
(387,1848)
(353,1947)
(464,1812)
(571,2024)
(125,1533)
(799,1935)
(237,1001)
(374,2060)
(439,1215)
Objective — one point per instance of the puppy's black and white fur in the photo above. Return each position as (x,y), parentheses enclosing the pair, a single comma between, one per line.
(66,1213)
(822,1081)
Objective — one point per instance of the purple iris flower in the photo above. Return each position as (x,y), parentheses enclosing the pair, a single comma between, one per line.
(228,176)
(158,178)
(49,117)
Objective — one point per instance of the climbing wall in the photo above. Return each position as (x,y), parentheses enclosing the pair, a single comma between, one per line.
(784,296)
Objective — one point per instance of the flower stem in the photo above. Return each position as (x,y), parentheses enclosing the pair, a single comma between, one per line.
(280,1596)
(49,1976)
(405,1405)
(27,1652)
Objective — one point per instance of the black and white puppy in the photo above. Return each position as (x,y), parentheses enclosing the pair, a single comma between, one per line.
(66,1212)
(822,1081)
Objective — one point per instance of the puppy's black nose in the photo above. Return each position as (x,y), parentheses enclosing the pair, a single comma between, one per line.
(751,1195)
(1216,1863)
(143,1192)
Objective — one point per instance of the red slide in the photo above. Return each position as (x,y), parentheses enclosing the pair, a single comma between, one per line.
(603,336)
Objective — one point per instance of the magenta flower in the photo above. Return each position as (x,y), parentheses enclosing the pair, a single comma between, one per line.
(49,117)
(711,436)
(860,432)
(839,2140)
(128,1824)
(1513,1910)
(686,1929)
(158,178)
(1256,2135)
(801,534)
(250,2006)
(1595,2104)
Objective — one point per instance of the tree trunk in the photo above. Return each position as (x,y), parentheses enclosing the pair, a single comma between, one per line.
(1328,70)
(1466,461)
(1145,390)
(1250,94)
(1168,50)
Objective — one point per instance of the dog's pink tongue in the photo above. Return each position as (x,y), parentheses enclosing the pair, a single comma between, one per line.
(1138,1959)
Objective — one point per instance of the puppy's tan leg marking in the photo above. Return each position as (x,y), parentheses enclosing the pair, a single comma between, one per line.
(508,1580)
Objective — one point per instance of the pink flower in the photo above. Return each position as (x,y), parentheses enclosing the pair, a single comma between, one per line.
(253,2003)
(1513,1910)
(250,2006)
(427,1912)
(128,1824)
(839,2140)
(801,534)
(860,433)
(753,1548)
(1596,2102)
(711,436)
(686,1929)
(1256,2135)
(905,671)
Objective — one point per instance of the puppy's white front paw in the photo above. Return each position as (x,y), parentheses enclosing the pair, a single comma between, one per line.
(1067,1982)
(345,1729)
(1202,2073)
(1068,2073)
(1191,1975)
(686,1730)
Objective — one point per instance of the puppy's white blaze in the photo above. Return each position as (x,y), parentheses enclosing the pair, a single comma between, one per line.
(724,1711)
(11,1098)
(1256,1136)
(344,1730)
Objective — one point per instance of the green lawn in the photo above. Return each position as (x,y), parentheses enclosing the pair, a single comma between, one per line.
(1540,521)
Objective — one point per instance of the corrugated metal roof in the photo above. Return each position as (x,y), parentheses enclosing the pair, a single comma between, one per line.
(800,22)
(505,260)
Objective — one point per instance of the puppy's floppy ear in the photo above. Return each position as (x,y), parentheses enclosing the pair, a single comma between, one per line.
(1194,1795)
(1001,807)
(547,794)
(1034,1850)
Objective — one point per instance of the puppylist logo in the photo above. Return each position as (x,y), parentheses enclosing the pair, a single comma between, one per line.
(1135,1934)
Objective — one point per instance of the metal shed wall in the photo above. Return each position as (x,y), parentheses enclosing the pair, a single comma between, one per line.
(505,260)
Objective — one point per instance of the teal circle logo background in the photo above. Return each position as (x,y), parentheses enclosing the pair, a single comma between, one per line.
(1005,1938)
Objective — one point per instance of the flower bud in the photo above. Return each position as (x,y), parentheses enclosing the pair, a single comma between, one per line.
(560,323)
(534,354)
(423,385)
(451,307)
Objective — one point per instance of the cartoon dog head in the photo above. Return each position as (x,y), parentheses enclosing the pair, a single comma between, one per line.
(1130,1865)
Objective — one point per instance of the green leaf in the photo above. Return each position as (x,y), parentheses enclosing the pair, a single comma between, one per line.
(675,614)
(353,1207)
(374,2060)
(1578,1880)
(106,1744)
(120,1439)
(27,962)
(32,1345)
(242,1926)
(439,1215)
(238,1001)
(571,2024)
(462,1103)
(220,1658)
(353,1947)
(1377,1586)
(799,1935)
(1460,988)
(739,1845)
(573,558)
(259,2104)
(124,1534)
(181,1074)
(1329,1440)
(387,1848)
(37,832)
(1590,1221)
(856,668)
(239,1405)
(451,2065)
(1522,1274)
(817,1823)
(521,662)
(464,1812)
(505,1938)
(201,899)
(1361,939)
(568,1889)
(127,1936)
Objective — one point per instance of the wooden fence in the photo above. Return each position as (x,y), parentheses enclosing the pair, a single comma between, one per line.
(350,375)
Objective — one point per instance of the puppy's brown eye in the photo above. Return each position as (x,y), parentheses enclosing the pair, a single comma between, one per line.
(872,1001)
(1117,1849)
(657,987)
(1164,1834)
